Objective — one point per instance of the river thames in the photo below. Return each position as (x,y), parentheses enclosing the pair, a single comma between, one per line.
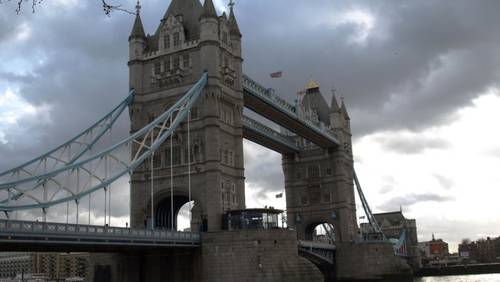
(461,278)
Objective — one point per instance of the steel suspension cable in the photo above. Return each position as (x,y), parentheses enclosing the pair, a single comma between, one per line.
(181,107)
(172,177)
(189,165)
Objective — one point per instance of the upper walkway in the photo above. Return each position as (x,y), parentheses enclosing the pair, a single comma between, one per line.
(264,102)
(40,236)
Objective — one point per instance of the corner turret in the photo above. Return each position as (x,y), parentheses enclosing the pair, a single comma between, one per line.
(234,29)
(335,122)
(209,10)
(137,45)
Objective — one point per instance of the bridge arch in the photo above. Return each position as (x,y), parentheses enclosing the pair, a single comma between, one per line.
(322,230)
(163,212)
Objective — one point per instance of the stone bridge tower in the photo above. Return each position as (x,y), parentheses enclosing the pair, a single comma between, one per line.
(190,39)
(318,182)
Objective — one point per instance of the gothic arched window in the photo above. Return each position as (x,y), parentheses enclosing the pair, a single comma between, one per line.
(166,41)
(176,39)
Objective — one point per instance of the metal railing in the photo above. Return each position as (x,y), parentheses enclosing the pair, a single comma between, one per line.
(257,89)
(325,251)
(270,133)
(48,229)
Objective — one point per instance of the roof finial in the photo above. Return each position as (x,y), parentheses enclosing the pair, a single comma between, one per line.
(231,4)
(138,7)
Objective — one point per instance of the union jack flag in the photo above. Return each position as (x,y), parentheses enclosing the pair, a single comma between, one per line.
(277,74)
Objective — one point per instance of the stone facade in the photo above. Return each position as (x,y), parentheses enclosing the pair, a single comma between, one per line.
(392,225)
(370,261)
(190,40)
(318,182)
(251,255)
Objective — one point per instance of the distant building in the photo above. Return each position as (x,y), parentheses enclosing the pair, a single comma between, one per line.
(480,251)
(434,252)
(393,224)
(55,266)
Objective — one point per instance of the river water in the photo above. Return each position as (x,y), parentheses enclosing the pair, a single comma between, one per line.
(461,278)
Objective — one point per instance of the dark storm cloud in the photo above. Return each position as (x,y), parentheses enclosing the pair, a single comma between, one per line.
(411,199)
(411,144)
(421,62)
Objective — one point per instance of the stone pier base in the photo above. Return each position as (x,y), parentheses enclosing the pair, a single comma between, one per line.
(369,261)
(255,255)
(250,255)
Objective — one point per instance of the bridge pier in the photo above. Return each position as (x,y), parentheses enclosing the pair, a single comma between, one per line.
(245,255)
(255,255)
(370,261)
(176,265)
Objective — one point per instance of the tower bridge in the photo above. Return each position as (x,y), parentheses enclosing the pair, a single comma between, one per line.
(188,93)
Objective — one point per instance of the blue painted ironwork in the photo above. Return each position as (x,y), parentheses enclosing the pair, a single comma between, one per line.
(12,231)
(63,154)
(371,219)
(145,141)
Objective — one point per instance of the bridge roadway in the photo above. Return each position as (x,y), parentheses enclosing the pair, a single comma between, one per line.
(268,137)
(264,102)
(322,255)
(46,237)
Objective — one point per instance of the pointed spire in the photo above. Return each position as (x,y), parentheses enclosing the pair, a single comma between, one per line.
(224,16)
(343,108)
(138,29)
(209,10)
(233,24)
(334,106)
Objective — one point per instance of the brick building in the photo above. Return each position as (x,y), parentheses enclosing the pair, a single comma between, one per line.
(53,265)
(480,251)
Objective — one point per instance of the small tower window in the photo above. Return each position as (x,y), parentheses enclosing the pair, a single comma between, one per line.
(185,61)
(313,171)
(176,39)
(224,37)
(167,64)
(157,68)
(166,41)
(176,63)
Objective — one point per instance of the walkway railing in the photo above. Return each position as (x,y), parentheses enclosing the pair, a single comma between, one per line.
(270,133)
(257,89)
(323,251)
(74,233)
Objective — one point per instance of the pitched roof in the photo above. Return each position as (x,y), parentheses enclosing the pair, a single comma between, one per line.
(314,100)
(393,217)
(191,11)
(233,24)
(138,29)
(334,105)
(209,9)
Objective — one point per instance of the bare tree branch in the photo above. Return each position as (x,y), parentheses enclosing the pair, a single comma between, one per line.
(106,6)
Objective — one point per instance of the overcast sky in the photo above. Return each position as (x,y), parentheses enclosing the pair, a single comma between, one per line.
(420,80)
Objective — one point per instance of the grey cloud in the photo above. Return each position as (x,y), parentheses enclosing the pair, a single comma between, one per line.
(263,169)
(411,145)
(444,181)
(424,61)
(411,199)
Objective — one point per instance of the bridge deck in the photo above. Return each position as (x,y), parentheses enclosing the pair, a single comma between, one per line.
(268,137)
(260,100)
(39,236)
